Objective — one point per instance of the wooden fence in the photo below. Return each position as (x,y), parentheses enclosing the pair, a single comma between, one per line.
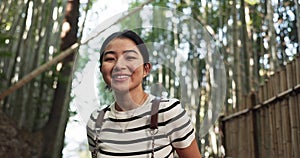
(267,124)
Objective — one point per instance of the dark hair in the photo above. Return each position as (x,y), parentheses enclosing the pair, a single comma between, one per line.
(130,35)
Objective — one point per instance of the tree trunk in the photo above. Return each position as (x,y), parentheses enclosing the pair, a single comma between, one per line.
(274,64)
(298,22)
(236,53)
(55,127)
(246,51)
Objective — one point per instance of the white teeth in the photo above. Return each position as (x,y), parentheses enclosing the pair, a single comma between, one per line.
(119,77)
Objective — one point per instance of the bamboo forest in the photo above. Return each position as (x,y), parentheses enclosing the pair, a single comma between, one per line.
(233,64)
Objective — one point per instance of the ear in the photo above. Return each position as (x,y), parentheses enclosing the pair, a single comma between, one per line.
(147,69)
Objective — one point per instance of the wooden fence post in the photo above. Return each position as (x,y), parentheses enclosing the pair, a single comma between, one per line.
(297,69)
(293,113)
(286,126)
(278,115)
(253,130)
(267,123)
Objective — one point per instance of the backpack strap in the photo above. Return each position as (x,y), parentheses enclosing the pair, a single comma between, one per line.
(98,126)
(153,123)
(154,113)
(100,118)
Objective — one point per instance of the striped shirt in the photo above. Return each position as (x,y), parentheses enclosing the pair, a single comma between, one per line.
(128,134)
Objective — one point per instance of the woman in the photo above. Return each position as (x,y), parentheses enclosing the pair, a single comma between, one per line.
(126,125)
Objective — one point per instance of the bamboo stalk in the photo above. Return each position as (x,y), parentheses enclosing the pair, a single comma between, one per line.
(264,129)
(297,69)
(229,141)
(278,124)
(294,72)
(274,99)
(297,117)
(261,141)
(243,103)
(273,137)
(240,131)
(278,117)
(248,128)
(283,104)
(277,87)
(277,121)
(265,90)
(296,104)
(293,114)
(227,134)
(251,135)
(271,87)
(258,131)
(235,137)
(294,128)
(289,75)
(254,132)
(231,123)
(267,133)
(38,71)
(61,56)
(245,136)
(261,94)
(285,115)
(283,82)
(286,127)
(297,100)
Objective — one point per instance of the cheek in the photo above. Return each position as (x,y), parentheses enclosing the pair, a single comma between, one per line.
(105,71)
(137,66)
(139,72)
(106,67)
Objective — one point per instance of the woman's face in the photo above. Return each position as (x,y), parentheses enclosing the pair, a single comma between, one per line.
(123,66)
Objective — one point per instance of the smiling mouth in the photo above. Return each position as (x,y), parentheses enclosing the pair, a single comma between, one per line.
(120,77)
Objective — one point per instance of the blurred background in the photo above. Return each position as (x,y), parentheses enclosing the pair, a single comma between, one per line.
(234,64)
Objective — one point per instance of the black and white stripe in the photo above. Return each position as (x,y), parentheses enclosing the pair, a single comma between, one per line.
(174,130)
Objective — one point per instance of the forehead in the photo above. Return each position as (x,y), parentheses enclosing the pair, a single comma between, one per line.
(121,44)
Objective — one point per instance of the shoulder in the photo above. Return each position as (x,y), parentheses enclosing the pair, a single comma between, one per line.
(170,108)
(92,120)
(169,104)
(94,115)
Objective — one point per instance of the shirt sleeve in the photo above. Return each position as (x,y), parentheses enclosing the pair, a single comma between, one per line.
(90,129)
(179,127)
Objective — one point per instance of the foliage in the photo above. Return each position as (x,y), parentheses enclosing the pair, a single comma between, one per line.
(4,52)
(30,37)
(26,31)
(256,37)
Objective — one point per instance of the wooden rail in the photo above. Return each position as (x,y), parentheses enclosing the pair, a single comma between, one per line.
(267,124)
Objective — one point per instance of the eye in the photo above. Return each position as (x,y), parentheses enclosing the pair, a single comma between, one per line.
(130,58)
(109,56)
(109,59)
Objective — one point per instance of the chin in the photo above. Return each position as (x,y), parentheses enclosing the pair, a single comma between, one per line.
(120,89)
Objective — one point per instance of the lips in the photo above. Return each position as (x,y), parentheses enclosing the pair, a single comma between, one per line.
(120,77)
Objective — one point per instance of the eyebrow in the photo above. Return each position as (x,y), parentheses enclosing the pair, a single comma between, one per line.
(125,51)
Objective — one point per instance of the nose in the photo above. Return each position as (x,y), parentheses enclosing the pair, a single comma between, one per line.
(120,64)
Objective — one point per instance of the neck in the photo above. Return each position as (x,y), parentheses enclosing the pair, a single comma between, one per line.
(129,101)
